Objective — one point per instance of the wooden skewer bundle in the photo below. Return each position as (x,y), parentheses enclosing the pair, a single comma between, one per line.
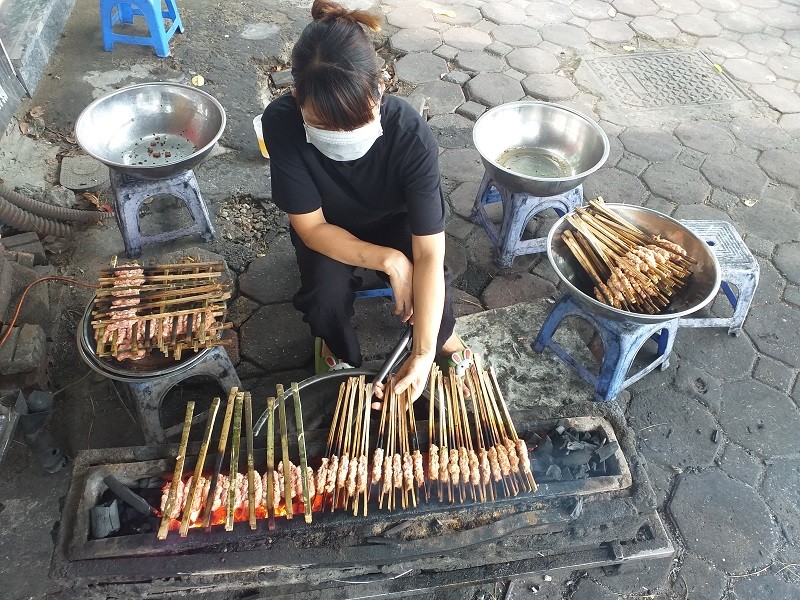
(631,269)
(171,307)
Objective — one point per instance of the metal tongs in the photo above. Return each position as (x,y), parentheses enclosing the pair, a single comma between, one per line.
(398,354)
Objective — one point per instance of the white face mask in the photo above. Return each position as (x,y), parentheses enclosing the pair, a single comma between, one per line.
(345,145)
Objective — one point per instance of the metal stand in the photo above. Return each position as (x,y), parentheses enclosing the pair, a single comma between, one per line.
(738,267)
(622,341)
(148,394)
(518,209)
(131,193)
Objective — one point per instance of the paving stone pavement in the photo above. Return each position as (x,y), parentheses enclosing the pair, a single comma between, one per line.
(719,428)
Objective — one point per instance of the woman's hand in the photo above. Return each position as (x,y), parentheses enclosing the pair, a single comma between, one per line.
(412,375)
(401,272)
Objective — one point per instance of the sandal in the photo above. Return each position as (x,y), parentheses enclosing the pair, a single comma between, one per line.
(323,364)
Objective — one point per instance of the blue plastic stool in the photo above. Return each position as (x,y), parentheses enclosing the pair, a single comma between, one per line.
(152,11)
(131,193)
(738,267)
(621,343)
(518,209)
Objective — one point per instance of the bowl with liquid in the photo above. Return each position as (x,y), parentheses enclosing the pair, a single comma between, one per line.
(539,148)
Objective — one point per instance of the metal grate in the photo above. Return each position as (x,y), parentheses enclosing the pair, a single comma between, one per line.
(660,79)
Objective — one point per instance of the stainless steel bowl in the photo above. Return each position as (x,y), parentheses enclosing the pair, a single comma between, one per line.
(540,148)
(151,130)
(701,288)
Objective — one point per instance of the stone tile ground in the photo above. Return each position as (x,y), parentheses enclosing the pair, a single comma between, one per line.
(719,428)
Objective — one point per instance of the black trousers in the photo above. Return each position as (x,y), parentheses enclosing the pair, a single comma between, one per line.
(328,287)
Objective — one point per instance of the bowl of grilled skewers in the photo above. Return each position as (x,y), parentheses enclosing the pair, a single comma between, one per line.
(630,263)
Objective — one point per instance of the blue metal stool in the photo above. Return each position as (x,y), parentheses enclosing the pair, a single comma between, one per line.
(131,192)
(738,267)
(518,209)
(148,393)
(621,343)
(152,12)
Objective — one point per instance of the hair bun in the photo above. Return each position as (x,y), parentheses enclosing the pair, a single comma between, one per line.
(327,11)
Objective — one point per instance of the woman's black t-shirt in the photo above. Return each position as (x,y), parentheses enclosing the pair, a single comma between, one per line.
(399,174)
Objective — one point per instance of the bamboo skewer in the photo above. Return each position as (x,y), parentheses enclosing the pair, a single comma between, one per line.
(467,438)
(415,442)
(357,436)
(448,391)
(163,529)
(236,442)
(271,463)
(251,479)
(443,441)
(221,446)
(301,444)
(365,443)
(198,469)
(478,432)
(287,467)
(431,441)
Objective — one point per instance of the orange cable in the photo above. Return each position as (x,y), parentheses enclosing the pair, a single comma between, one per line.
(11,323)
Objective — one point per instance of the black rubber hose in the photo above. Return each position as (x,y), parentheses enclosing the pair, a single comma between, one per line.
(49,211)
(24,221)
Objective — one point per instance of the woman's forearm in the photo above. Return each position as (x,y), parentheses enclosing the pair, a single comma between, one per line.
(428,286)
(339,244)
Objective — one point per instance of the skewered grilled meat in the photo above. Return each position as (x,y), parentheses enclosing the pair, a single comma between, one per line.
(330,483)
(397,469)
(463,463)
(497,474)
(419,472)
(377,462)
(363,474)
(408,472)
(433,463)
(444,464)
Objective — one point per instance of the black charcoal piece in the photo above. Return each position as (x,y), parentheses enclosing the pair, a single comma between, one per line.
(573,459)
(124,493)
(554,472)
(572,446)
(566,475)
(715,436)
(105,519)
(546,444)
(437,526)
(150,483)
(533,439)
(577,510)
(607,451)
(541,461)
(560,427)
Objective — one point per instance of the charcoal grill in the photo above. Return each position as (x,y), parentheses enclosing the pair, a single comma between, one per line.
(564,525)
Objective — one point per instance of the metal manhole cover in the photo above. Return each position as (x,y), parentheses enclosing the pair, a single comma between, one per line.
(659,79)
